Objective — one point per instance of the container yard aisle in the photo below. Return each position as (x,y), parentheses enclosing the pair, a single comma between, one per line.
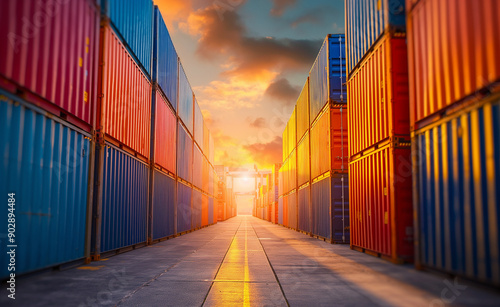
(246,262)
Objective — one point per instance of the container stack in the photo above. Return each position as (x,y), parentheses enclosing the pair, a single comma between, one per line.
(313,180)
(47,104)
(455,124)
(99,111)
(226,203)
(379,133)
(274,192)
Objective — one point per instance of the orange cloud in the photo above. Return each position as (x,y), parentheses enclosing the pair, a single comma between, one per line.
(266,154)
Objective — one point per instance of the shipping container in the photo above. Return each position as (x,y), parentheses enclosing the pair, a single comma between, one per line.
(47,62)
(453,49)
(329,141)
(184,208)
(303,205)
(186,101)
(285,211)
(124,110)
(303,161)
(211,180)
(122,201)
(197,168)
(165,61)
(327,77)
(284,138)
(211,211)
(330,208)
(380,198)
(163,207)
(205,176)
(292,171)
(211,151)
(184,154)
(197,209)
(198,125)
(46,167)
(292,131)
(457,191)
(274,216)
(292,210)
(303,122)
(378,97)
(206,141)
(164,135)
(204,210)
(366,22)
(133,21)
(280,210)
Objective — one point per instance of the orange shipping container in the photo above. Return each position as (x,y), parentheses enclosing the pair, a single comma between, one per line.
(125,96)
(292,171)
(378,96)
(165,142)
(453,52)
(329,141)
(204,210)
(303,163)
(303,111)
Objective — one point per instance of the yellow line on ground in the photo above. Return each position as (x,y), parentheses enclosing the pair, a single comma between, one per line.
(246,290)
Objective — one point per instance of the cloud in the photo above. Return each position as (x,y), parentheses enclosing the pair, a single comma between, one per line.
(249,58)
(282,90)
(259,122)
(279,6)
(266,154)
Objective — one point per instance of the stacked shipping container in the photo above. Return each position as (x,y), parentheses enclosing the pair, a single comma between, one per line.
(100,107)
(455,121)
(379,151)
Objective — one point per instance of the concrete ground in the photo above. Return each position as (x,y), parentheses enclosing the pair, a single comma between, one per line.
(246,262)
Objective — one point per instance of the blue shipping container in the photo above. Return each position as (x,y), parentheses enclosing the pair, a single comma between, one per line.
(133,21)
(280,211)
(196,222)
(303,204)
(163,206)
(186,100)
(46,164)
(166,71)
(366,22)
(125,191)
(184,154)
(184,195)
(457,193)
(330,208)
(328,84)
(292,210)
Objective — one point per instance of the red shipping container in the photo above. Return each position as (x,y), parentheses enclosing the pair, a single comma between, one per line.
(453,53)
(380,204)
(50,51)
(204,210)
(378,96)
(329,141)
(125,96)
(165,135)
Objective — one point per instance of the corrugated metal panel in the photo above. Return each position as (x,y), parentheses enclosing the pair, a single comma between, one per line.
(292,171)
(320,145)
(457,193)
(204,210)
(184,195)
(49,58)
(303,111)
(366,21)
(197,168)
(285,210)
(280,211)
(163,206)
(126,96)
(134,21)
(125,188)
(206,141)
(327,77)
(211,151)
(330,211)
(211,211)
(381,203)
(165,143)
(46,165)
(339,156)
(303,203)
(211,181)
(378,96)
(303,163)
(186,100)
(206,176)
(167,71)
(292,131)
(184,154)
(198,125)
(284,138)
(197,209)
(453,52)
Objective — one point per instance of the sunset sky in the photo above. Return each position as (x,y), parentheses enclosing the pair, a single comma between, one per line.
(247,62)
